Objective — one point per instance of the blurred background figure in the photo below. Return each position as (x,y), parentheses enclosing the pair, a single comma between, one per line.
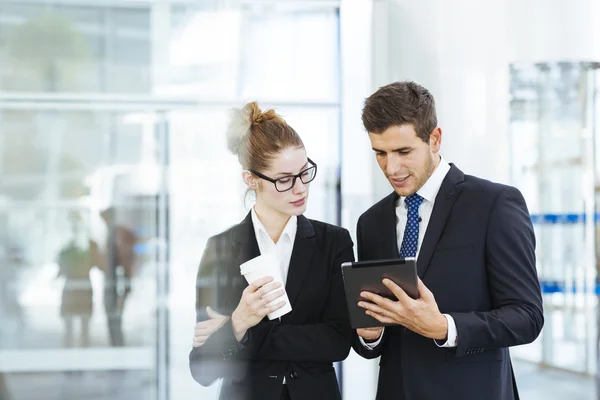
(75,262)
(117,265)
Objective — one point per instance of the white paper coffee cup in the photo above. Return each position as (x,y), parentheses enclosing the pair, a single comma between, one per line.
(267,265)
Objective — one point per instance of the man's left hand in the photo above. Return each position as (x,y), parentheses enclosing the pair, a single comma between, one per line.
(421,316)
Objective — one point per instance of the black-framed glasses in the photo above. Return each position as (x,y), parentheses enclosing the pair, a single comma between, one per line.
(285,183)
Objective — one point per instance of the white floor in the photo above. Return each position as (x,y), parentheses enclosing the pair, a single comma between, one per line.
(534,384)
(540,384)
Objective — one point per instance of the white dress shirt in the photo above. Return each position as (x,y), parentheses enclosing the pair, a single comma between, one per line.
(282,249)
(429,192)
(284,246)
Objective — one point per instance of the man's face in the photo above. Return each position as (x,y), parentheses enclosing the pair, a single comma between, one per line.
(405,159)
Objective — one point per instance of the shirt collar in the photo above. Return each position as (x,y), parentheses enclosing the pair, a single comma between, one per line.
(290,228)
(432,186)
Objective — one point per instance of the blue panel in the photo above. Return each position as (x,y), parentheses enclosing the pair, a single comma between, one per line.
(550,287)
(564,219)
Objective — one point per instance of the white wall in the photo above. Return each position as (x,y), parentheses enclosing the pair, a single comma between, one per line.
(458,51)
(553,30)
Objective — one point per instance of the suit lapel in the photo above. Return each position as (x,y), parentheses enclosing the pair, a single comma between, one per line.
(389,234)
(444,201)
(247,246)
(242,246)
(302,253)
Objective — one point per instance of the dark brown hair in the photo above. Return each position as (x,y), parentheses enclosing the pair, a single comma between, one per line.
(256,136)
(400,103)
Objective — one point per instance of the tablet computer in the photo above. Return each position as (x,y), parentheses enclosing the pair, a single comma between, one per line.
(368,276)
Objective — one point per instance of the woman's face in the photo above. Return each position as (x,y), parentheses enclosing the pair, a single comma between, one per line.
(284,165)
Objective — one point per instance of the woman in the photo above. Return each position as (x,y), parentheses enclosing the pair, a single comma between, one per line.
(292,356)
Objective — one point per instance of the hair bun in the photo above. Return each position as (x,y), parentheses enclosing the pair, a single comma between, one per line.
(255,114)
(242,121)
(238,129)
(257,117)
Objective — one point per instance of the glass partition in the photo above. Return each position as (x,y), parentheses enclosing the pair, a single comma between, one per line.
(552,156)
(114,173)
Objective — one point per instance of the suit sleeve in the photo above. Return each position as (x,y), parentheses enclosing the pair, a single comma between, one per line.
(327,341)
(221,355)
(358,347)
(517,314)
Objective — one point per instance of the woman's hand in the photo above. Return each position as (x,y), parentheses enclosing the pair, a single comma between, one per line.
(254,305)
(204,329)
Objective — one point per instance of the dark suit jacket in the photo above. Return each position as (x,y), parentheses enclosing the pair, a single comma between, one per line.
(304,344)
(478,259)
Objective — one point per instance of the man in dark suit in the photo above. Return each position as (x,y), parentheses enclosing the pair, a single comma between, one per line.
(475,249)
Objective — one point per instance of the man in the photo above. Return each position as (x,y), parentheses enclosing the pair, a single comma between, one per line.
(478,289)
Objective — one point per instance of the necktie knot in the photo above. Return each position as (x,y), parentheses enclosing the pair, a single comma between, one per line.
(413,201)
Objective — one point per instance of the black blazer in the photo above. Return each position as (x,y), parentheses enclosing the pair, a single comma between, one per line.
(478,259)
(304,344)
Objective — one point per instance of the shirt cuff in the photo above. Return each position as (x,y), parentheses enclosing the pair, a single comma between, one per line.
(452,334)
(372,345)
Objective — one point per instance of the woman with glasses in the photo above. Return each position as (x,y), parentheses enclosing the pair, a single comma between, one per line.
(292,356)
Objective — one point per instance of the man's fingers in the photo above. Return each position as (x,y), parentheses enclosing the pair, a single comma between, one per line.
(397,290)
(375,308)
(377,299)
(381,318)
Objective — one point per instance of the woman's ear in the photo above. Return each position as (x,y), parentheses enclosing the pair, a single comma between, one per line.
(250,180)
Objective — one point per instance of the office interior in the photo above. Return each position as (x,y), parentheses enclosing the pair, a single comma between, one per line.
(114,112)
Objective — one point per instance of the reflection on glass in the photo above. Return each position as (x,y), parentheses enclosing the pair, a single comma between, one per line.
(78,226)
(75,261)
(81,189)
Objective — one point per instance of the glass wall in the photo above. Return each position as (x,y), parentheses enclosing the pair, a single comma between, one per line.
(62,46)
(114,172)
(553,133)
